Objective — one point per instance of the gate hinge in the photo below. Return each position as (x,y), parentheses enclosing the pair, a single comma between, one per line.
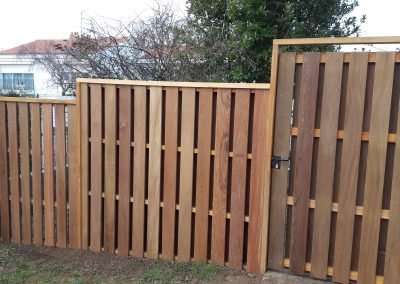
(276,161)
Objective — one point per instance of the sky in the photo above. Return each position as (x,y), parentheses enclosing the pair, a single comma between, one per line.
(26,20)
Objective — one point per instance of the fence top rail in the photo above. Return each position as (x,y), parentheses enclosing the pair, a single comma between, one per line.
(338,40)
(175,84)
(38,100)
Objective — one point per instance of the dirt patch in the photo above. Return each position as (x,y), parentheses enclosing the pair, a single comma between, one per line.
(30,264)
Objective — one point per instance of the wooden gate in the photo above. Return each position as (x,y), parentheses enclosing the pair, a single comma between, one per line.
(335,207)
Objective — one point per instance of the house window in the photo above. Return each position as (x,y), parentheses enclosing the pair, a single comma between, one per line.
(16,81)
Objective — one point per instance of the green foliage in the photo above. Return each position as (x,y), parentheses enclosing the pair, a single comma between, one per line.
(205,271)
(237,35)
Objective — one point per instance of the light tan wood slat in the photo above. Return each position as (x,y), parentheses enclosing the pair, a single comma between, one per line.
(4,190)
(203,175)
(124,174)
(186,173)
(220,176)
(96,184)
(38,100)
(110,124)
(376,162)
(48,168)
(170,173)
(326,164)
(279,183)
(153,218)
(139,171)
(349,165)
(238,184)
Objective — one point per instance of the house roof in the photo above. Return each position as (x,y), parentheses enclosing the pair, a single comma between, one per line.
(40,46)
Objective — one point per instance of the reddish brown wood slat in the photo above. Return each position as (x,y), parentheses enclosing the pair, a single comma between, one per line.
(23,122)
(139,171)
(124,168)
(96,185)
(110,124)
(203,174)
(170,173)
(220,176)
(326,164)
(350,165)
(302,170)
(376,162)
(186,173)
(279,183)
(48,168)
(4,194)
(238,187)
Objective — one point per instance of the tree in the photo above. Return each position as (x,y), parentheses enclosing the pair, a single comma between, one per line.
(248,27)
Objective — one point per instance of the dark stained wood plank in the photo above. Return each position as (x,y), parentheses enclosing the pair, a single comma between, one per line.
(170,173)
(376,162)
(96,167)
(153,218)
(326,164)
(279,184)
(238,187)
(349,166)
(139,171)
(186,173)
(220,176)
(61,194)
(4,194)
(48,168)
(23,121)
(124,174)
(203,175)
(110,124)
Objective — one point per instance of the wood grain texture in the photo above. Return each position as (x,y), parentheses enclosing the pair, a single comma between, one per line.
(186,173)
(124,175)
(350,165)
(170,173)
(48,168)
(326,164)
(61,193)
(4,189)
(96,182)
(139,171)
(376,162)
(110,125)
(303,166)
(279,183)
(23,122)
(203,175)
(238,187)
(153,218)
(220,176)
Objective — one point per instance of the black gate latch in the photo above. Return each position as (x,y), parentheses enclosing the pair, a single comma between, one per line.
(276,161)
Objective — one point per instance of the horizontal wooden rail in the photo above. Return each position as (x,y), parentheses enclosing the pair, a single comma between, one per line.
(38,100)
(346,57)
(338,40)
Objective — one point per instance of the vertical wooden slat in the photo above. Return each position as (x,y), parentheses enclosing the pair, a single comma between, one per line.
(124,168)
(139,171)
(326,164)
(23,120)
(186,173)
(302,170)
(279,183)
(170,174)
(96,167)
(48,174)
(110,124)
(349,165)
(203,175)
(4,195)
(376,161)
(238,188)
(153,218)
(61,194)
(220,176)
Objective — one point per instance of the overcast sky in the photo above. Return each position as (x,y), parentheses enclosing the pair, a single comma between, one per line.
(26,20)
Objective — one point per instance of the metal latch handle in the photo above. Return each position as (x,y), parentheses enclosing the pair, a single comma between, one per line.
(276,161)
